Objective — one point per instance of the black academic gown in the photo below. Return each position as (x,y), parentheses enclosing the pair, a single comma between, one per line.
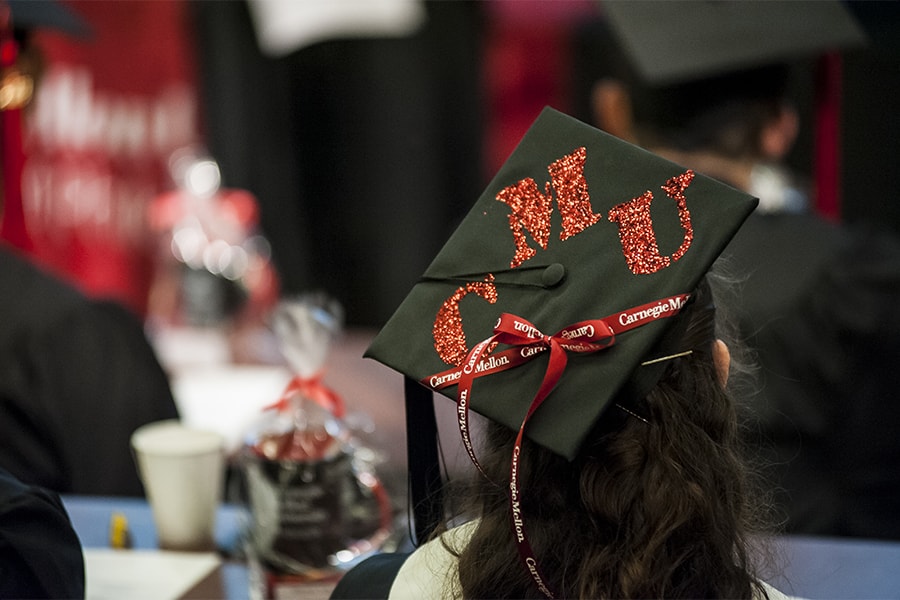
(40,554)
(819,308)
(77,377)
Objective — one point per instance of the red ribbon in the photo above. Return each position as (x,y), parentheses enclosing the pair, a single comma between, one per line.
(315,390)
(528,342)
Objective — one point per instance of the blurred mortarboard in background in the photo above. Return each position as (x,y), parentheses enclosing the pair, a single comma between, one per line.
(671,41)
(563,234)
(47,14)
(696,62)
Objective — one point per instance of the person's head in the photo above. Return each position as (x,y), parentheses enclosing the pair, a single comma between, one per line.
(23,63)
(594,346)
(709,85)
(741,114)
(654,505)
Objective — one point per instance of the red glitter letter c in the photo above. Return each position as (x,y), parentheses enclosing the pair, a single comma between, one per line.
(449,337)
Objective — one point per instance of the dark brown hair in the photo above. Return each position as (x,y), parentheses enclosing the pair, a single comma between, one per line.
(648,509)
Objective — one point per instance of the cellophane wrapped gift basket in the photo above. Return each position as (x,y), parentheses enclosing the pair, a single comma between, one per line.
(316,503)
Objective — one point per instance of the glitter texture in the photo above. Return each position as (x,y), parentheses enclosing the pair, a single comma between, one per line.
(674,189)
(530,211)
(449,337)
(636,227)
(572,196)
(637,235)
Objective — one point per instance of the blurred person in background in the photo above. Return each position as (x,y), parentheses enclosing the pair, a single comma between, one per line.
(343,119)
(40,554)
(77,375)
(817,306)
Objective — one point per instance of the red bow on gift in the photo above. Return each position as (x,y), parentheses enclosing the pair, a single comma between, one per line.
(315,390)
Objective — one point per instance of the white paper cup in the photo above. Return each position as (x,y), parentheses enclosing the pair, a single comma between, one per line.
(182,470)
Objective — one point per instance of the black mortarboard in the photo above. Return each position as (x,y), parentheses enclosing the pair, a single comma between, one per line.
(577,225)
(674,41)
(47,14)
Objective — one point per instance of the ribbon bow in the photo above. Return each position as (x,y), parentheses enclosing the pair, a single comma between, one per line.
(315,390)
(527,342)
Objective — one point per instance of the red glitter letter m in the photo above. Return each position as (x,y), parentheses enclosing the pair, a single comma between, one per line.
(531,209)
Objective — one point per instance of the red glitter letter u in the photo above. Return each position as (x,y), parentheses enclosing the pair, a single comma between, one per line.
(636,228)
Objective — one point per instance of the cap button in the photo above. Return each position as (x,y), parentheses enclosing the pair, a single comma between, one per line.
(553,275)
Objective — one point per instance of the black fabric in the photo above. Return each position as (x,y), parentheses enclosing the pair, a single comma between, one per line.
(425,485)
(819,310)
(372,578)
(725,36)
(40,554)
(77,377)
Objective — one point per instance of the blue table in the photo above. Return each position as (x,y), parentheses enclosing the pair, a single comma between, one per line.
(91,519)
(90,516)
(820,568)
(814,568)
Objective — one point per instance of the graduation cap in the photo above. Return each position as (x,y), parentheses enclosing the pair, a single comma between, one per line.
(675,41)
(582,238)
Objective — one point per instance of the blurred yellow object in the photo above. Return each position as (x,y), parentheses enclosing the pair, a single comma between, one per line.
(119,534)
(16,89)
